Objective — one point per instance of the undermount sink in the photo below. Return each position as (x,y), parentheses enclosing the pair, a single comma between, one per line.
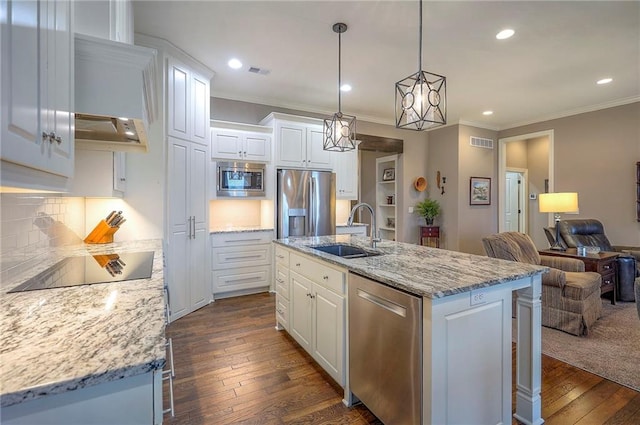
(345,251)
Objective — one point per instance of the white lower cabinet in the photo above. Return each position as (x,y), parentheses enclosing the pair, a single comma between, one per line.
(240,263)
(316,308)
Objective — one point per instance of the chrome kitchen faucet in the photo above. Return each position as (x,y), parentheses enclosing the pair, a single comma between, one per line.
(374,239)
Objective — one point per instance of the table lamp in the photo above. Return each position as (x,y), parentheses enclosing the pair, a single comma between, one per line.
(557,203)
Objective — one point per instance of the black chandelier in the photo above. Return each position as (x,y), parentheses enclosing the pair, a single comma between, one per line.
(340,129)
(421,98)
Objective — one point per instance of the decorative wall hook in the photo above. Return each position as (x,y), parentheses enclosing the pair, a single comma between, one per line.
(444,180)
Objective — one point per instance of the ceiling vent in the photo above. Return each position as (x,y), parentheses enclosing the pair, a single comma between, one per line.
(261,71)
(479,142)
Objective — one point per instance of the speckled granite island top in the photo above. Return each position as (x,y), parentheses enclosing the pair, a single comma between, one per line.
(239,229)
(63,339)
(428,272)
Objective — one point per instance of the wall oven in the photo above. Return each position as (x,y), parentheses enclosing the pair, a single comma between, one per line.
(240,179)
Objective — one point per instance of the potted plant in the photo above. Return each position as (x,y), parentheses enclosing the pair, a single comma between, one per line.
(429,209)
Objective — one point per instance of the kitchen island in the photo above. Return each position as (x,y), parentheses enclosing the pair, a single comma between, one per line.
(466,321)
(84,354)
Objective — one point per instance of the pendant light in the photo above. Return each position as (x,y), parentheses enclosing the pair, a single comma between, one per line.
(421,98)
(340,129)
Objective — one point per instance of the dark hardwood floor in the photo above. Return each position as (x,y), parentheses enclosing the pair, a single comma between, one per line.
(232,367)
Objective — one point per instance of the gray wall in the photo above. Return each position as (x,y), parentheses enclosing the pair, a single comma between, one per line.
(595,154)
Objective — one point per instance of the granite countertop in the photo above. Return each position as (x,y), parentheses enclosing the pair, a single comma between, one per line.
(63,339)
(353,225)
(239,229)
(420,270)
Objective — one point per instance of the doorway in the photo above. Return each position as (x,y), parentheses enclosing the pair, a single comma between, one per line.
(515,212)
(529,155)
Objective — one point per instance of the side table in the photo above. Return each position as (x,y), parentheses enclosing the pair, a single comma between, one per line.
(603,263)
(430,236)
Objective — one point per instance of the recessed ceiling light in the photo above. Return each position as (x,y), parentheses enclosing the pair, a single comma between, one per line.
(345,87)
(605,81)
(234,63)
(129,133)
(504,34)
(487,113)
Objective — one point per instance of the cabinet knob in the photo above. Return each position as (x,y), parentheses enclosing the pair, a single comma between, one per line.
(607,266)
(297,264)
(245,153)
(122,179)
(239,153)
(325,277)
(45,136)
(58,140)
(52,137)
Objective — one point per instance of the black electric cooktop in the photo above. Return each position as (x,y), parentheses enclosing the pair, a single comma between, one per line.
(91,269)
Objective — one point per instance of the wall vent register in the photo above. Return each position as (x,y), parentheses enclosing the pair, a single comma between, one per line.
(91,269)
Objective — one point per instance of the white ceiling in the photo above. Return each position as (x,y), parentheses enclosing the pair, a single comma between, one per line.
(547,69)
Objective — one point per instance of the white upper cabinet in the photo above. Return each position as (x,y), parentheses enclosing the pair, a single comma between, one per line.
(188,103)
(37,94)
(298,142)
(346,168)
(240,142)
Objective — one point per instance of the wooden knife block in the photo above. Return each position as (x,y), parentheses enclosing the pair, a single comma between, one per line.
(102,233)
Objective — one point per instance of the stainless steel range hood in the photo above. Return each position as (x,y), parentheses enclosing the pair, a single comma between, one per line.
(115,96)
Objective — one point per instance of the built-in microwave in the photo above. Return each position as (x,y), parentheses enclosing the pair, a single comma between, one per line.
(240,179)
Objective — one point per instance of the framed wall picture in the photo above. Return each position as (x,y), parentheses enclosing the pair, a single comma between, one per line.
(480,191)
(389,174)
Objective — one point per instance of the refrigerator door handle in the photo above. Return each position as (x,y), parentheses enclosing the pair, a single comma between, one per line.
(312,207)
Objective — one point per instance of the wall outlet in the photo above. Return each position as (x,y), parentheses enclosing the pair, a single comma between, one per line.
(478,297)
(410,210)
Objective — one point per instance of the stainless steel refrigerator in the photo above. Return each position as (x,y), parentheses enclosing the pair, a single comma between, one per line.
(306,203)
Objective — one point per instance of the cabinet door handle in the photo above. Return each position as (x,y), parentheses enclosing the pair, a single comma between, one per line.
(194,226)
(297,264)
(279,256)
(279,280)
(325,277)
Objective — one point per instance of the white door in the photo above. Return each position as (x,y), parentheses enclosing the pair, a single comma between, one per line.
(512,210)
(291,149)
(257,147)
(199,273)
(178,100)
(178,263)
(317,157)
(301,310)
(328,331)
(226,144)
(199,110)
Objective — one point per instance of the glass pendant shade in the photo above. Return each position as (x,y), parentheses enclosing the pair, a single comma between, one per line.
(340,129)
(340,133)
(421,101)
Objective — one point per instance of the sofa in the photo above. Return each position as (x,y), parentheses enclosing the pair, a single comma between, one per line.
(570,296)
(590,232)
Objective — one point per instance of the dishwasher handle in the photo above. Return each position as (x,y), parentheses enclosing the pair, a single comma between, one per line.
(382,302)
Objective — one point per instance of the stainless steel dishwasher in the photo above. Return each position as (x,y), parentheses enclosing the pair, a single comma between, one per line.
(385,350)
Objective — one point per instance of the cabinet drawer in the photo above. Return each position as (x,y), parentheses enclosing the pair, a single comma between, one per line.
(237,279)
(226,258)
(242,238)
(604,268)
(282,280)
(282,256)
(282,311)
(319,273)
(608,278)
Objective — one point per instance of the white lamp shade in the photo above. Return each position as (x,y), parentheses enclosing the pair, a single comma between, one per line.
(564,202)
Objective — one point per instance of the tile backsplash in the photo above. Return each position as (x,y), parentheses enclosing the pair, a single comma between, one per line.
(30,224)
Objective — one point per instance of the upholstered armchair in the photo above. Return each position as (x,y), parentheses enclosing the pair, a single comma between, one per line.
(590,232)
(570,296)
